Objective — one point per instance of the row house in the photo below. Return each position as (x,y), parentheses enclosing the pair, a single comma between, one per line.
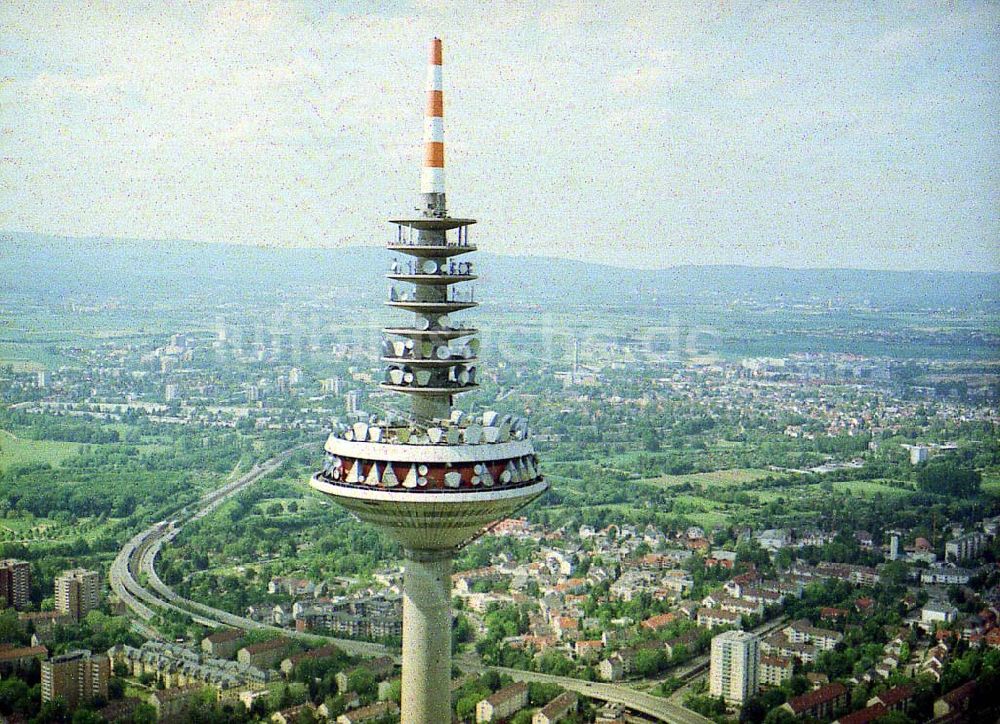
(736,605)
(822,703)
(778,645)
(713,618)
(803,632)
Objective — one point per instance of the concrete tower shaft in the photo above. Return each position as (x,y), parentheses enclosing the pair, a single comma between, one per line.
(433,478)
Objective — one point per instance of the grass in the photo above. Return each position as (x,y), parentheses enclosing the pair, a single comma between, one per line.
(868,488)
(15,451)
(991,482)
(726,478)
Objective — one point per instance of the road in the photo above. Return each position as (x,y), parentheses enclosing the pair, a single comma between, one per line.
(654,706)
(137,559)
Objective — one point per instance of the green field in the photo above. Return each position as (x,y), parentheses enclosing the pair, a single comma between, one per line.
(724,478)
(15,451)
(991,482)
(868,488)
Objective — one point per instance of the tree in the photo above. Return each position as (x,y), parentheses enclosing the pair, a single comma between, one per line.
(947,477)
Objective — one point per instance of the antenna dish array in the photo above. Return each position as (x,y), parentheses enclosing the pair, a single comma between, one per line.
(461,428)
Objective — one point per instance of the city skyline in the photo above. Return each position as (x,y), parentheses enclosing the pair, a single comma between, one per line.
(790,137)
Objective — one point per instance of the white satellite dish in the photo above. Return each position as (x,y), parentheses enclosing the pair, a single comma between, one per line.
(442,352)
(429,266)
(410,481)
(407,378)
(354,475)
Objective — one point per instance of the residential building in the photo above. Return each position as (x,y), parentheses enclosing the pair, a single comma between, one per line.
(715,617)
(775,670)
(803,632)
(935,612)
(15,658)
(868,715)
(956,701)
(373,712)
(295,714)
(895,699)
(382,667)
(821,703)
(967,546)
(174,703)
(75,677)
(735,666)
(946,576)
(78,592)
(15,583)
(503,703)
(556,709)
(222,644)
(264,655)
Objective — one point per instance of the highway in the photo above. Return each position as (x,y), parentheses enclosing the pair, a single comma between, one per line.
(654,706)
(138,557)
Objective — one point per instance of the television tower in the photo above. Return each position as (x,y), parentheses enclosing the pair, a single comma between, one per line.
(435,478)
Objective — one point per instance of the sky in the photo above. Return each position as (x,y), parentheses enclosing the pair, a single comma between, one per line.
(797,134)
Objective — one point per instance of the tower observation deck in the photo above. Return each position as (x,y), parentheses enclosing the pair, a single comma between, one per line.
(433,478)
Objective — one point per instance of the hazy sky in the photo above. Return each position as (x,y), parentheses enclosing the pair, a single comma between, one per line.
(634,133)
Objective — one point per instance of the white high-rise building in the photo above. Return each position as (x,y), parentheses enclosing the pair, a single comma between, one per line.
(170,393)
(735,666)
(78,592)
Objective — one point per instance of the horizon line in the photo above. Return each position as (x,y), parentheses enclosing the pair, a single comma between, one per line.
(295,247)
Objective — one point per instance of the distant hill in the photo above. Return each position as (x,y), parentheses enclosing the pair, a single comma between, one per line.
(66,267)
